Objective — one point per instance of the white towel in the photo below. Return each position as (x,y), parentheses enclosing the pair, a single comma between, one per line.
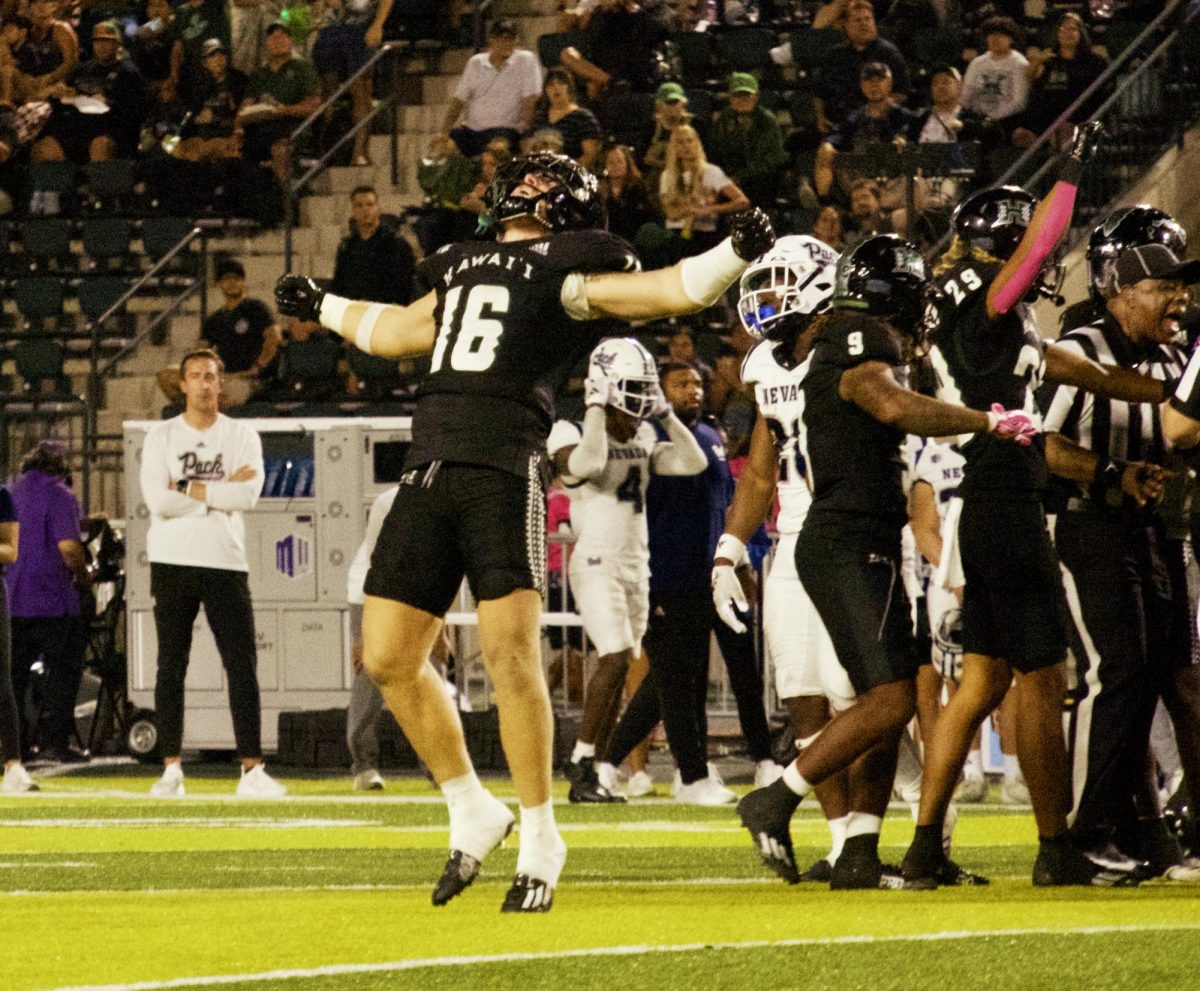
(949,574)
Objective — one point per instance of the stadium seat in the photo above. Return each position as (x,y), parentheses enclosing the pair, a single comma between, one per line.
(106,241)
(308,369)
(695,57)
(39,362)
(97,295)
(109,185)
(161,234)
(550,46)
(47,243)
(60,180)
(701,106)
(934,47)
(809,47)
(747,49)
(39,298)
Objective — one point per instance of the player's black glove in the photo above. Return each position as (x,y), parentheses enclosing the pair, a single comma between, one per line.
(298,296)
(1086,140)
(751,233)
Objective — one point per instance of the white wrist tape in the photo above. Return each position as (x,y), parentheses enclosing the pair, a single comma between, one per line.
(705,277)
(366,327)
(333,308)
(730,548)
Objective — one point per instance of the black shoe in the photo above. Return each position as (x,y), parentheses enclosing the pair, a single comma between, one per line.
(952,876)
(528,894)
(820,872)
(1065,866)
(64,755)
(857,871)
(768,826)
(585,784)
(1108,856)
(460,870)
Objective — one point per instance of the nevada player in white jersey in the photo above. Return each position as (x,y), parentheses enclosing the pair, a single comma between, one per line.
(606,463)
(779,293)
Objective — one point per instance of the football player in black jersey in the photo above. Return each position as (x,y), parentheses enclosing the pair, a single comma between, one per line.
(505,322)
(986,349)
(856,414)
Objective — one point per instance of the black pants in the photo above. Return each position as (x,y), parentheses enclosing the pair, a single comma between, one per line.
(10,720)
(178,592)
(60,641)
(676,689)
(1127,593)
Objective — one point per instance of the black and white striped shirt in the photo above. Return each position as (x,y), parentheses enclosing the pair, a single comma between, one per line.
(1112,428)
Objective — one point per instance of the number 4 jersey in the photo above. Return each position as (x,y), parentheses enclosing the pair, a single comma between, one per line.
(608,512)
(504,345)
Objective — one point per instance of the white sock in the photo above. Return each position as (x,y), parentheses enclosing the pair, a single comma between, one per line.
(542,851)
(1012,768)
(973,768)
(862,824)
(463,790)
(582,750)
(806,742)
(915,808)
(837,830)
(795,780)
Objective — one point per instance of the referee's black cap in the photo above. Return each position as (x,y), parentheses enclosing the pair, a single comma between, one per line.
(1153,261)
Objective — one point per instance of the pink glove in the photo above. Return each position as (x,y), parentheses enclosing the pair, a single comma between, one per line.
(1011,424)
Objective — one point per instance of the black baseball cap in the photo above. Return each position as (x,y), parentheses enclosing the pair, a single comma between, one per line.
(230,266)
(1153,261)
(875,70)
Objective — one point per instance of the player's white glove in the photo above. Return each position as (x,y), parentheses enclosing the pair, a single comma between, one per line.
(728,595)
(596,390)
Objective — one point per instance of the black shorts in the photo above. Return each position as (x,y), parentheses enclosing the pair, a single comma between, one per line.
(459,520)
(859,594)
(1014,607)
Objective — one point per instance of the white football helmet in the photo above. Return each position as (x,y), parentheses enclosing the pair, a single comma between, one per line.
(795,277)
(631,370)
(947,645)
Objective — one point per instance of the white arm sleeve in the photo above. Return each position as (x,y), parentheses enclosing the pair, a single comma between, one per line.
(590,455)
(683,455)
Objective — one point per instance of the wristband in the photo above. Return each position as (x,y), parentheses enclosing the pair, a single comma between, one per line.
(1108,473)
(331,311)
(731,548)
(1071,171)
(705,277)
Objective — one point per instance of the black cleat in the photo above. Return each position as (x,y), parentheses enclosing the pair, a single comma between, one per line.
(857,872)
(819,873)
(951,875)
(945,873)
(768,826)
(586,786)
(460,870)
(528,894)
(1066,866)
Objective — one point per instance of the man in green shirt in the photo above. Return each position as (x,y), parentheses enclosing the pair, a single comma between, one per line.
(279,95)
(747,142)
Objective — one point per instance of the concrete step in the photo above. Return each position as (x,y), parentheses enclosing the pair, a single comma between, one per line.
(147,359)
(133,396)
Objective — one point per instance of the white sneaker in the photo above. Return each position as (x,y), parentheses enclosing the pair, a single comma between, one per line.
(1014,793)
(170,785)
(17,781)
(607,775)
(370,780)
(257,783)
(714,773)
(971,791)
(706,791)
(766,772)
(676,783)
(1188,869)
(640,785)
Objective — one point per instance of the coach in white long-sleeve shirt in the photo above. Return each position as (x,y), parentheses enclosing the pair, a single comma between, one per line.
(197,552)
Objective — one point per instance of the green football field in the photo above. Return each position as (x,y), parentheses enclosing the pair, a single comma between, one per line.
(102,887)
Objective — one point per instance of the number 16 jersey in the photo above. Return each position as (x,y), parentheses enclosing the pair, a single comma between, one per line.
(504,345)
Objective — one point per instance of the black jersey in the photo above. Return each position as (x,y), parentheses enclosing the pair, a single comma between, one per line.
(980,362)
(504,345)
(854,463)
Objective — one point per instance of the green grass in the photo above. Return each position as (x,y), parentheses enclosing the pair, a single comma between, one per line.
(100,885)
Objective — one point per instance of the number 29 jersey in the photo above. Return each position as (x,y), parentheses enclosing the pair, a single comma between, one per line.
(781,404)
(504,346)
(608,512)
(980,362)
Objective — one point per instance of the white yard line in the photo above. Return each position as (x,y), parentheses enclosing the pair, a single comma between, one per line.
(396,966)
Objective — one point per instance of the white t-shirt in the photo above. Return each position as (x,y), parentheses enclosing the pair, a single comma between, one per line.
(777,393)
(996,87)
(209,534)
(495,97)
(357,575)
(608,512)
(712,180)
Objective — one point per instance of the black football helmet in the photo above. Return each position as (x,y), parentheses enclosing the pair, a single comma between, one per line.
(885,276)
(1128,227)
(574,203)
(995,219)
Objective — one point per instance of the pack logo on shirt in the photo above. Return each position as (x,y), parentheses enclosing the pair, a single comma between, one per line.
(192,467)
(293,557)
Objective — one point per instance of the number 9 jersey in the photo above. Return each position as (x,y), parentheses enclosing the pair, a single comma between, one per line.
(981,361)
(504,346)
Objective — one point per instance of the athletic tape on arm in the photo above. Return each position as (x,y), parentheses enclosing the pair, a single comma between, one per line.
(705,277)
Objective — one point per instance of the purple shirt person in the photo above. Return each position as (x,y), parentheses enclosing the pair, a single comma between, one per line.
(40,583)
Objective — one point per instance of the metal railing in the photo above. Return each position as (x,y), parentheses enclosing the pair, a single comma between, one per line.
(99,370)
(294,186)
(1035,153)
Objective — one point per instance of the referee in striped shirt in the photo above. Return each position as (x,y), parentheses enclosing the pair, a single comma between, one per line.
(1123,573)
